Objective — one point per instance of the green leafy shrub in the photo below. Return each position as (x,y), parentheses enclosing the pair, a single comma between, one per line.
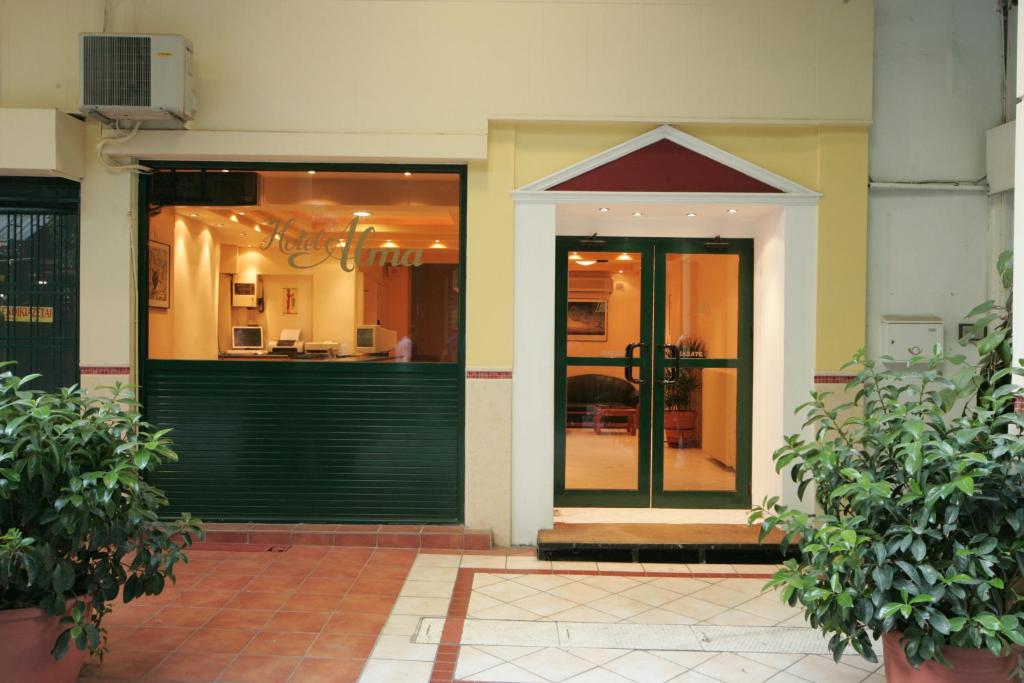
(81,519)
(920,526)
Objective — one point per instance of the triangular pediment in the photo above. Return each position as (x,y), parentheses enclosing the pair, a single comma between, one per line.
(667,160)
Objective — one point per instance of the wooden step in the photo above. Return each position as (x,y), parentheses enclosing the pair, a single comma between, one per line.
(655,535)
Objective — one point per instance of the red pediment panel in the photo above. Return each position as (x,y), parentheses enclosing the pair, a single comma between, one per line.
(664,166)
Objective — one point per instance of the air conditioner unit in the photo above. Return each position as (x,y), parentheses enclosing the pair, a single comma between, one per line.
(590,284)
(138,78)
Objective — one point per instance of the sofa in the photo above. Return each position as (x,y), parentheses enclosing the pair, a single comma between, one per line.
(585,395)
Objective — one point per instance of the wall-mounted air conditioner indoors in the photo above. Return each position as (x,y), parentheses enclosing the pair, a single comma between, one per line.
(136,78)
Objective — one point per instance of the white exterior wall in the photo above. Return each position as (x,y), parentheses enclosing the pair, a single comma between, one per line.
(938,87)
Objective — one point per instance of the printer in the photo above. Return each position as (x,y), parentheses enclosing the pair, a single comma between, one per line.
(287,344)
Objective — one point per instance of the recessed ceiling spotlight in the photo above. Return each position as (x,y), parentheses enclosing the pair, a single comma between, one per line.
(620,271)
(234,218)
(731,211)
(311,172)
(623,257)
(277,237)
(240,213)
(362,214)
(389,245)
(691,215)
(241,234)
(193,215)
(586,263)
(43,282)
(256,228)
(407,174)
(224,170)
(603,209)
(637,214)
(574,256)
(220,225)
(437,245)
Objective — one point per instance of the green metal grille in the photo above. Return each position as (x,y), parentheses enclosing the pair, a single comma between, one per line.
(39,262)
(309,441)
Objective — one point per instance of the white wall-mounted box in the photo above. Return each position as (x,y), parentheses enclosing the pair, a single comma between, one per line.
(904,336)
(999,157)
(243,294)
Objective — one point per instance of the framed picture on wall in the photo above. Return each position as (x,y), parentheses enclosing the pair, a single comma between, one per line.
(587,320)
(158,277)
(290,305)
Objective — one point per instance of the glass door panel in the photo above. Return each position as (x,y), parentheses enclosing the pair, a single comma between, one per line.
(603,333)
(702,388)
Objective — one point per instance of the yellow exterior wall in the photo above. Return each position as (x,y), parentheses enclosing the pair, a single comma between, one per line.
(831,160)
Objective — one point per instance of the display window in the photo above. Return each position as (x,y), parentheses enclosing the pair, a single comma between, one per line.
(304,265)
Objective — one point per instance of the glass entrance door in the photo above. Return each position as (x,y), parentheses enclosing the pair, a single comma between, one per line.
(654,358)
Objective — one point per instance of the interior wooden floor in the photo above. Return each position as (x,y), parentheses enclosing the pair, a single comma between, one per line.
(608,461)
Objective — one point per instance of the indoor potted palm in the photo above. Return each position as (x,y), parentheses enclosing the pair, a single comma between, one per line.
(918,538)
(680,417)
(80,523)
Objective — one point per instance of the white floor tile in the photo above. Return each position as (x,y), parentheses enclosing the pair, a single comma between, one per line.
(579,593)
(428,560)
(612,584)
(722,595)
(824,668)
(584,614)
(506,611)
(544,604)
(644,667)
(428,573)
(507,673)
(401,625)
(711,568)
(400,647)
(522,633)
(631,567)
(666,568)
(659,616)
(597,655)
(516,562)
(421,607)
(507,653)
(693,677)
(687,658)
(480,580)
(730,667)
(388,671)
(694,608)
(428,589)
(784,677)
(472,660)
(628,636)
(483,561)
(553,664)
(506,591)
(619,606)
(734,617)
(775,660)
(682,586)
(430,629)
(598,676)
(574,566)
(544,582)
(650,594)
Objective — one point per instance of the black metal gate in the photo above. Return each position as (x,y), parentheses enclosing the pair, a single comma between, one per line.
(39,255)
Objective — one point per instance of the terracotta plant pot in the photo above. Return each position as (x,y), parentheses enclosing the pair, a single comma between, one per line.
(26,639)
(680,424)
(968,664)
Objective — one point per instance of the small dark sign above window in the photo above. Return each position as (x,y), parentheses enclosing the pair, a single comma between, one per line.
(204,188)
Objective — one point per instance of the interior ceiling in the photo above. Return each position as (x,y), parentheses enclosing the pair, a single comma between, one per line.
(414,211)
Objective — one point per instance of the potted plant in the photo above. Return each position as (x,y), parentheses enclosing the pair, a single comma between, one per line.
(918,537)
(81,523)
(680,418)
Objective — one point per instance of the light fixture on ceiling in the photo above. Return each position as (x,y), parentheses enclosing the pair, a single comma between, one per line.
(437,245)
(407,174)
(277,237)
(43,282)
(241,234)
(731,211)
(574,256)
(256,228)
(311,172)
(691,215)
(637,214)
(224,170)
(585,263)
(234,218)
(389,245)
(623,257)
(193,215)
(362,214)
(603,209)
(220,225)
(620,271)
(240,213)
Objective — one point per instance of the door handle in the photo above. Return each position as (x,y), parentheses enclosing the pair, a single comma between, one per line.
(673,369)
(629,362)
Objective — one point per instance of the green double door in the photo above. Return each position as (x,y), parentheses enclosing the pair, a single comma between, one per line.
(653,372)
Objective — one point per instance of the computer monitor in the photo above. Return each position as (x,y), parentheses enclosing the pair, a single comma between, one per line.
(374,339)
(247,337)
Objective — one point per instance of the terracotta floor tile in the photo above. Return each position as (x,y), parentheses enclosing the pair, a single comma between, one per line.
(339,570)
(243,567)
(161,638)
(218,640)
(130,615)
(361,554)
(221,581)
(311,602)
(355,623)
(125,664)
(386,571)
(327,671)
(342,646)
(259,669)
(273,643)
(305,622)
(251,619)
(326,586)
(190,667)
(376,587)
(271,584)
(205,598)
(252,600)
(290,568)
(372,604)
(393,556)
(182,616)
